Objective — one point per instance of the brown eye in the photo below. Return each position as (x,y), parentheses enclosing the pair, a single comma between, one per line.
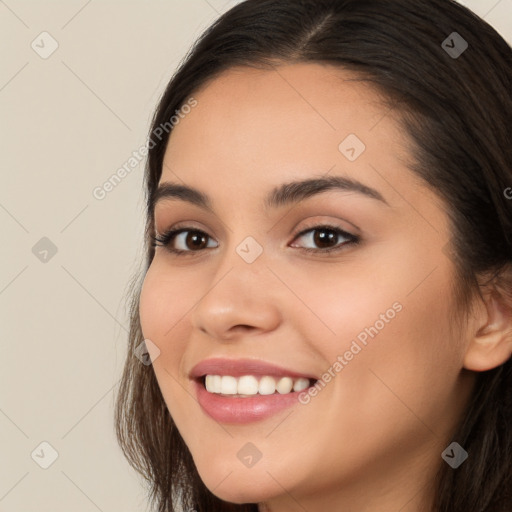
(325,238)
(196,240)
(184,240)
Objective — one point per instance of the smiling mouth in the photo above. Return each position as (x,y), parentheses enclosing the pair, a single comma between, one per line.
(250,385)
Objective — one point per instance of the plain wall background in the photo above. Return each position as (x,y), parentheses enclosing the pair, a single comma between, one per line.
(68,123)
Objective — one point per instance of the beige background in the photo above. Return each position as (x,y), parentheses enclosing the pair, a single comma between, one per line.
(68,123)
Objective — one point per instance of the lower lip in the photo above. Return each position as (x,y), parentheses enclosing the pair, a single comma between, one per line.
(230,409)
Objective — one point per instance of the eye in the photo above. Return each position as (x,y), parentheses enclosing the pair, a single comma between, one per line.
(326,238)
(187,240)
(183,240)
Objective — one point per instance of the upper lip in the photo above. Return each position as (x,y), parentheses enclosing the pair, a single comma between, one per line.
(239,367)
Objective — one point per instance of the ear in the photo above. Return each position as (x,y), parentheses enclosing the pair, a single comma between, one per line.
(490,345)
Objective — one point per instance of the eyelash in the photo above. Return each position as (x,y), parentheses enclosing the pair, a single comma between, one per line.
(167,237)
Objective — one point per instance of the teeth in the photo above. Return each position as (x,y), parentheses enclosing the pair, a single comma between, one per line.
(248,385)
(300,384)
(267,386)
(228,385)
(284,385)
(213,383)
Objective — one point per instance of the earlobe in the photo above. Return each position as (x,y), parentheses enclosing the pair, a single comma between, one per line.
(491,345)
(489,352)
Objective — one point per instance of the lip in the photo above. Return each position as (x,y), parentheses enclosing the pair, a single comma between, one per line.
(240,410)
(240,367)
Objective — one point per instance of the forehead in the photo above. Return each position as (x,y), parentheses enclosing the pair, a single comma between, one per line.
(327,98)
(281,124)
(290,83)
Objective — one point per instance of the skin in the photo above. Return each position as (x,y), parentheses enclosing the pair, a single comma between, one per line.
(372,439)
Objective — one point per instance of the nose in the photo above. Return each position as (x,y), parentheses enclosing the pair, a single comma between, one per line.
(242,299)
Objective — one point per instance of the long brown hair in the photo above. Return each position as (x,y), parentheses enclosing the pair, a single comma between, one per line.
(456,110)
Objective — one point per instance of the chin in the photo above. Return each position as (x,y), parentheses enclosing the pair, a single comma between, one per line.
(244,486)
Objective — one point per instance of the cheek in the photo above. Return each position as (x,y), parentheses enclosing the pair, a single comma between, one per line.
(165,298)
(391,329)
(342,303)
(151,306)
(164,303)
(405,356)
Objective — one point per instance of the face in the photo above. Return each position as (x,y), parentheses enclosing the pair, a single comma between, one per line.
(341,285)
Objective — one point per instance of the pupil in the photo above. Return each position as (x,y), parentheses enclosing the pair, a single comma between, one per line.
(195,239)
(323,237)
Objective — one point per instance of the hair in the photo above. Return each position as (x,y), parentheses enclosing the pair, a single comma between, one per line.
(456,113)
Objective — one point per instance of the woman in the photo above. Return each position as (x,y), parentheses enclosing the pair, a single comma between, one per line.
(327,296)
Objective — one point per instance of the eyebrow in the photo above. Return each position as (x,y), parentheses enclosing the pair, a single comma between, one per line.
(285,194)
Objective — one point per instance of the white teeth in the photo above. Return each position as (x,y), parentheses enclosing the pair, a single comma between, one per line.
(216,383)
(228,385)
(285,385)
(213,383)
(208,383)
(300,384)
(248,385)
(267,386)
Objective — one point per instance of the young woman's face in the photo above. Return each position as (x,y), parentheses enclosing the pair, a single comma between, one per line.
(371,320)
